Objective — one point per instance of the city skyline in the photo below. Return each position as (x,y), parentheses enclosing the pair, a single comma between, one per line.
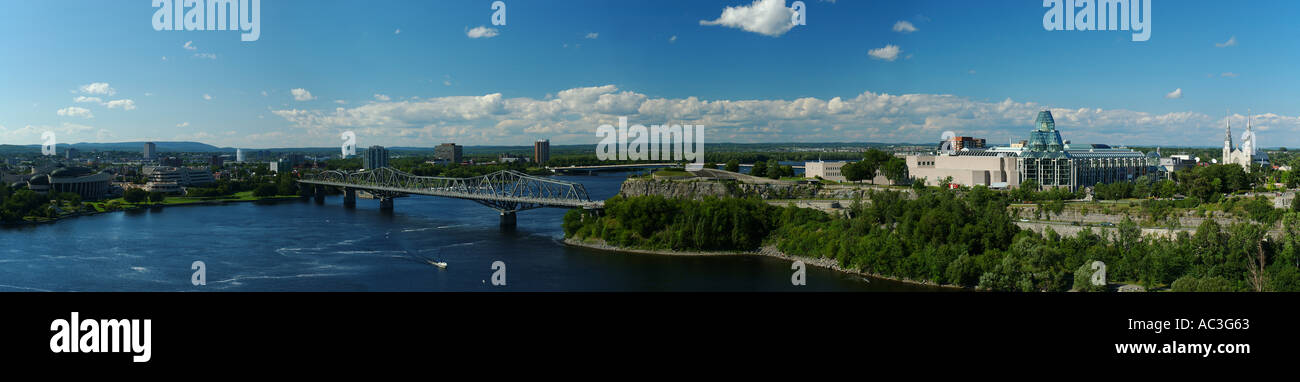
(413,74)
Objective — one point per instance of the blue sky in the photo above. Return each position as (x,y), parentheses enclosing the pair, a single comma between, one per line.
(411,73)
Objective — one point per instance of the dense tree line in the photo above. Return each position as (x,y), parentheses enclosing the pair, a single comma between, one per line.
(20,203)
(679,224)
(966,239)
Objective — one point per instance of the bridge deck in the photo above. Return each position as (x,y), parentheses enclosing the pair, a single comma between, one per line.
(507,191)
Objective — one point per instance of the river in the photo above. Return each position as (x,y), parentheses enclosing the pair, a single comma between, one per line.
(303,246)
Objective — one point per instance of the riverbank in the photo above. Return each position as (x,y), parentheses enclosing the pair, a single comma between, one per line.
(97,208)
(766,250)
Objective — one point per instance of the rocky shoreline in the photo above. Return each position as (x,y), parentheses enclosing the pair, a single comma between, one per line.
(767,250)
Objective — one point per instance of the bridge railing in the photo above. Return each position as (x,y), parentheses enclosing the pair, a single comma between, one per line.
(515,189)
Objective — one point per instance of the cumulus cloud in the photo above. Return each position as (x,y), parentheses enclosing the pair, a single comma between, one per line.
(1229,75)
(183,124)
(189,45)
(73,111)
(904,27)
(382,97)
(592,35)
(85,99)
(98,88)
(124,104)
(207,97)
(208,56)
(765,17)
(300,94)
(572,115)
(482,32)
(888,52)
(672,39)
(1232,41)
(1176,94)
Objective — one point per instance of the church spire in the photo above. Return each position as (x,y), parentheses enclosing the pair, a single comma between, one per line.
(1227,133)
(1248,120)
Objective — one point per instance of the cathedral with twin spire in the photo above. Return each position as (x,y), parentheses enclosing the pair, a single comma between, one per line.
(1246,154)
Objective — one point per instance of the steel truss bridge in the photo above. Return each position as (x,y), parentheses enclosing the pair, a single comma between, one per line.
(507,191)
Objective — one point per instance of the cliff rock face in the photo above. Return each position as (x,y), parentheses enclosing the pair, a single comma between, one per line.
(699,189)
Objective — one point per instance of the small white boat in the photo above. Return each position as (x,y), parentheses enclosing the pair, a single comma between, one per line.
(439,264)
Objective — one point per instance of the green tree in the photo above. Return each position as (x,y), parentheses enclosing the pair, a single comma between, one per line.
(759,169)
(853,171)
(895,170)
(733,165)
(157,197)
(265,190)
(1083,279)
(135,195)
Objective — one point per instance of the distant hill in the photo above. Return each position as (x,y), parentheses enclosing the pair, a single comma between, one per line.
(182,147)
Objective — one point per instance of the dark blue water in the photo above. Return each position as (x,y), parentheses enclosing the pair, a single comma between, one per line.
(304,246)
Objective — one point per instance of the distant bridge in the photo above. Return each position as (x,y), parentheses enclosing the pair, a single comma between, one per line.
(506,191)
(616,167)
(612,167)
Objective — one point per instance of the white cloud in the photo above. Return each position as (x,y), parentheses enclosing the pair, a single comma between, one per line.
(572,115)
(888,52)
(904,27)
(398,31)
(672,39)
(765,17)
(208,56)
(1229,75)
(1232,41)
(73,111)
(84,99)
(1176,94)
(264,94)
(98,88)
(482,32)
(382,97)
(183,124)
(300,94)
(189,45)
(207,97)
(593,35)
(74,128)
(124,104)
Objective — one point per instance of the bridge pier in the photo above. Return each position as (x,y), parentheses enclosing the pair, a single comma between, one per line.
(385,203)
(508,219)
(320,194)
(349,197)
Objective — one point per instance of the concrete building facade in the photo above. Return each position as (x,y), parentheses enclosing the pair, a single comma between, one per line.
(376,157)
(448,151)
